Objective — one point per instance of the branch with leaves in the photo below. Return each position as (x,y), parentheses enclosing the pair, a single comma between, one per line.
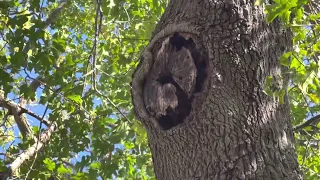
(31,151)
(89,113)
(9,104)
(311,122)
(18,111)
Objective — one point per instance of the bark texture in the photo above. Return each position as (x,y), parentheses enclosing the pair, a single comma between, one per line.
(231,129)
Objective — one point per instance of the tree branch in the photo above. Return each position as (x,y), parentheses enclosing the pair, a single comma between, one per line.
(44,121)
(22,123)
(36,83)
(20,117)
(15,110)
(8,104)
(54,14)
(314,120)
(31,151)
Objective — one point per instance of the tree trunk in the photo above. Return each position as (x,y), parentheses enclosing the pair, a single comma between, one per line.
(199,91)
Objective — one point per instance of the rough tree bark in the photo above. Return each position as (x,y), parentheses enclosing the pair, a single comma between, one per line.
(199,92)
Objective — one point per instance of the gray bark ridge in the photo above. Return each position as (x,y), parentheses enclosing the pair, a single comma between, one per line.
(234,131)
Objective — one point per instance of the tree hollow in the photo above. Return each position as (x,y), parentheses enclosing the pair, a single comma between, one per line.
(177,74)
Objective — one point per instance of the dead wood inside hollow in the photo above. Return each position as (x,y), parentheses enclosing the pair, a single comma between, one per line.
(177,74)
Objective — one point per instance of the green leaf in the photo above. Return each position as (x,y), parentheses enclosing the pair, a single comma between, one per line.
(128,145)
(59,45)
(314,98)
(299,15)
(95,165)
(274,10)
(308,128)
(62,170)
(79,176)
(316,46)
(285,16)
(76,98)
(298,66)
(70,61)
(306,83)
(18,59)
(27,92)
(50,165)
(285,59)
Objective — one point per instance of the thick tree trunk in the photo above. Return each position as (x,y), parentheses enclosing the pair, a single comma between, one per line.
(199,91)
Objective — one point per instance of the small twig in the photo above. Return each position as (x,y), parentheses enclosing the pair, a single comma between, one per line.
(98,26)
(68,164)
(55,13)
(3,46)
(97,32)
(36,153)
(307,148)
(44,121)
(109,100)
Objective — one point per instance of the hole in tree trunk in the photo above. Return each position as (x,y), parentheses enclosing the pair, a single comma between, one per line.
(165,78)
(178,72)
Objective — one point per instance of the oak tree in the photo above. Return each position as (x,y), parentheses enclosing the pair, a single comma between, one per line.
(200,92)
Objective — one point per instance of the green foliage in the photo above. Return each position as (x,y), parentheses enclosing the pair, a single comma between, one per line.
(302,61)
(93,138)
(50,165)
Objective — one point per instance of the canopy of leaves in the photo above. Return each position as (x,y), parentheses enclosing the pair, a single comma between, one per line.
(65,72)
(69,63)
